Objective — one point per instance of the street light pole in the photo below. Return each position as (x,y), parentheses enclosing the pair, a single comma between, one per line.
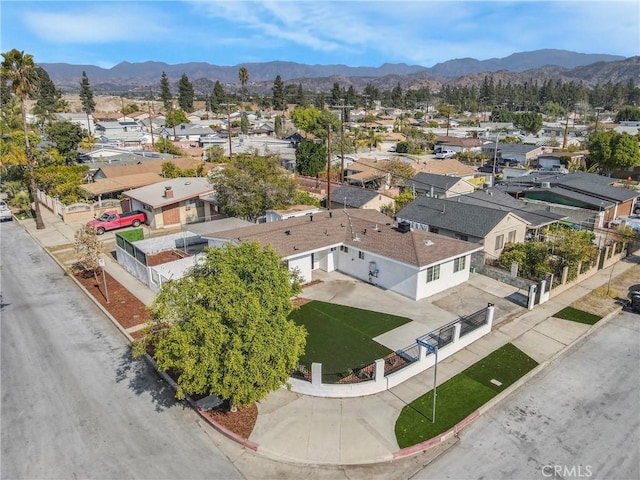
(343,110)
(229,105)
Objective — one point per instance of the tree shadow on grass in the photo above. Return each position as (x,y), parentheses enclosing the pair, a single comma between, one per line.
(144,379)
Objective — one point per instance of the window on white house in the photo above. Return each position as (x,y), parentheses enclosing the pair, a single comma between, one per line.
(344,248)
(361,255)
(459,264)
(499,242)
(433,273)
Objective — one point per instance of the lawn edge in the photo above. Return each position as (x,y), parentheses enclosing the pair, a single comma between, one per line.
(465,422)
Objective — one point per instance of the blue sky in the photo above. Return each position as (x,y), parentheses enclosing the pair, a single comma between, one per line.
(356,33)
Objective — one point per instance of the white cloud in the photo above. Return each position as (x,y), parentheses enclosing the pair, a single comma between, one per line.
(95,25)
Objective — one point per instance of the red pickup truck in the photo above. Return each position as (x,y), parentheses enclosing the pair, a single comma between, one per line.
(113,220)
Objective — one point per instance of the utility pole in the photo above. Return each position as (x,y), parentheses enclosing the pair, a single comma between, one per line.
(448,117)
(597,116)
(343,110)
(366,114)
(328,166)
(228,105)
(150,117)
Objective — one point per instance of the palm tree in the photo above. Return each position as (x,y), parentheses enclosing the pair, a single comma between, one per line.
(19,69)
(243,76)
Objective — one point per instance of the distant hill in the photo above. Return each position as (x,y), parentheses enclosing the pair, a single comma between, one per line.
(519,67)
(519,62)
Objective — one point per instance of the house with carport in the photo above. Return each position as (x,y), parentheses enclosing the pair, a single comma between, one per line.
(364,244)
(175,202)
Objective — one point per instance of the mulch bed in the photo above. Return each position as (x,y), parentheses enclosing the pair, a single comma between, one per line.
(124,306)
(241,422)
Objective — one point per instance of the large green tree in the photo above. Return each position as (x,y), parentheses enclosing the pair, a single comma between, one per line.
(225,327)
(67,137)
(186,94)
(165,92)
(243,76)
(19,70)
(279,100)
(49,98)
(86,98)
(530,122)
(611,150)
(250,184)
(311,158)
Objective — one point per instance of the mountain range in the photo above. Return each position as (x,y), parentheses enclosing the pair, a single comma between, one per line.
(518,67)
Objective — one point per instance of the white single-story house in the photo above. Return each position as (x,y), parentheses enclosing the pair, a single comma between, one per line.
(364,244)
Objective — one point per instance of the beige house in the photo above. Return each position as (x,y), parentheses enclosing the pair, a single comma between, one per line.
(439,186)
(491,228)
(174,202)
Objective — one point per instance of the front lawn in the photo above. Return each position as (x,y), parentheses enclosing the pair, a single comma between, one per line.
(575,315)
(341,338)
(461,395)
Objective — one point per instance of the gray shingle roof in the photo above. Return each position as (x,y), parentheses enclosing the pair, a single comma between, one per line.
(352,197)
(534,215)
(424,181)
(464,218)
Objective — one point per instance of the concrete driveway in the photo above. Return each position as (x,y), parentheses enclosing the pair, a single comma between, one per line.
(427,314)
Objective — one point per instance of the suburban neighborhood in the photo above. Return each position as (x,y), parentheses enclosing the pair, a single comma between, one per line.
(332,275)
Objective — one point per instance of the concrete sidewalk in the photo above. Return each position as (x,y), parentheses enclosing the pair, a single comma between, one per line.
(312,430)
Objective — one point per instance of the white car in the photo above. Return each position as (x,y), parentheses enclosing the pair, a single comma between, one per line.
(5,212)
(445,154)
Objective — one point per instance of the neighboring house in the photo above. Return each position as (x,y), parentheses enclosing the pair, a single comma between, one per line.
(491,228)
(536,216)
(367,172)
(173,202)
(346,196)
(577,189)
(189,132)
(113,187)
(523,154)
(438,186)
(559,159)
(449,167)
(291,212)
(85,121)
(365,245)
(147,166)
(458,144)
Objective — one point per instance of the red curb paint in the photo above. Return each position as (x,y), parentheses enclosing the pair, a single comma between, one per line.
(226,432)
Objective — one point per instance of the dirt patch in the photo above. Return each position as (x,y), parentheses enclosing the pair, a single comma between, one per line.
(299,301)
(165,257)
(608,297)
(124,306)
(240,422)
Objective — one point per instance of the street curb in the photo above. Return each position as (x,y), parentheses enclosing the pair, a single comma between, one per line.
(86,292)
(507,392)
(226,432)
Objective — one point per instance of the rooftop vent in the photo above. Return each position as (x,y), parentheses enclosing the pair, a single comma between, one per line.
(404,227)
(428,243)
(546,185)
(287,232)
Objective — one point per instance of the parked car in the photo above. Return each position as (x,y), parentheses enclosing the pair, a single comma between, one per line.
(5,212)
(445,154)
(113,220)
(489,169)
(634,300)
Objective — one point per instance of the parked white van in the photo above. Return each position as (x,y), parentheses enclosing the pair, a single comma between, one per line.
(445,154)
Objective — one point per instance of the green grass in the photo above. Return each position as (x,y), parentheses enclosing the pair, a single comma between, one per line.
(461,395)
(573,314)
(341,337)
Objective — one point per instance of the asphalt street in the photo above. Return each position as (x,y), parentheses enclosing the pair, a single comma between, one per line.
(580,418)
(73,403)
